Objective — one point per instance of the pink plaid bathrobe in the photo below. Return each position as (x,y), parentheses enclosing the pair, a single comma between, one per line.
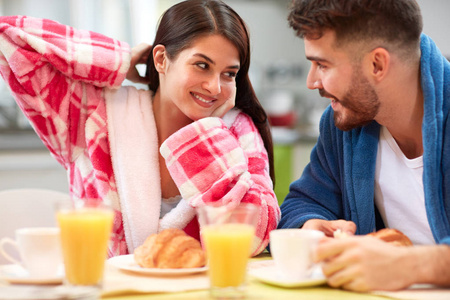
(61,78)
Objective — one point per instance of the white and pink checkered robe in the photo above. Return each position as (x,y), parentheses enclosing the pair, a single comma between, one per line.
(68,84)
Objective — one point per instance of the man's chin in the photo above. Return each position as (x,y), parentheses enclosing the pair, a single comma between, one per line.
(344,127)
(347,126)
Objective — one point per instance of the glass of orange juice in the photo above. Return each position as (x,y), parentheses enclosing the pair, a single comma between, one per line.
(85,229)
(227,235)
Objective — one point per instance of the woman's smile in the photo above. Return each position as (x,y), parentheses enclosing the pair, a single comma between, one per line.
(203,100)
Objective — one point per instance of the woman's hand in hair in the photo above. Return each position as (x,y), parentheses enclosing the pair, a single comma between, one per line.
(226,106)
(139,55)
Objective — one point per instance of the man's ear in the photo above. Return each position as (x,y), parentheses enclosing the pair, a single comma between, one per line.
(159,58)
(380,62)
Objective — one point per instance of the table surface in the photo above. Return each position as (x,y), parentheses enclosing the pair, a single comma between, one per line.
(258,290)
(123,285)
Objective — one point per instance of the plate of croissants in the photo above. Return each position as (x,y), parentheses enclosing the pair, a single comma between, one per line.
(170,252)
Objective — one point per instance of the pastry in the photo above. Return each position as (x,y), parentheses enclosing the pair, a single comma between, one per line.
(389,235)
(393,236)
(339,234)
(171,248)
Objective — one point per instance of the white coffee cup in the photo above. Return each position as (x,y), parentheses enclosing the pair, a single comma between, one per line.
(292,251)
(39,249)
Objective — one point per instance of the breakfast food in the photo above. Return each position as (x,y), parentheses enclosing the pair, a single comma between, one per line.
(393,236)
(171,248)
(339,234)
(389,235)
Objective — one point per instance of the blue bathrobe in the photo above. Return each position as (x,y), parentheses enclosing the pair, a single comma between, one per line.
(338,183)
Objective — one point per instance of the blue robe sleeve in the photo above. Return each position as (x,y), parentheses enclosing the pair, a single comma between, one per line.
(317,194)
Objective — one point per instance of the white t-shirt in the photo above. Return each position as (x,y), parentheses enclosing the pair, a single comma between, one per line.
(399,194)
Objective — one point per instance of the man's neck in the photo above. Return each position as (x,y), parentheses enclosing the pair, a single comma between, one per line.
(404,115)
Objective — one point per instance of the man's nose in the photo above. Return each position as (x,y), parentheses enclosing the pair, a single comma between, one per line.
(313,81)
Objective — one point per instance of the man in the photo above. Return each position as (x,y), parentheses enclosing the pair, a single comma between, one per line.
(383,155)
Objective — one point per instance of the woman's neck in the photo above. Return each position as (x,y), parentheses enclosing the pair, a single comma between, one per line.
(168,117)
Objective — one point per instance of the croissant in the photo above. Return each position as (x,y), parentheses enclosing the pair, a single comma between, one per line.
(171,248)
(393,236)
(389,235)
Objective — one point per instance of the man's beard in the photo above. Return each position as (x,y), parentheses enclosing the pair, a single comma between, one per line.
(360,104)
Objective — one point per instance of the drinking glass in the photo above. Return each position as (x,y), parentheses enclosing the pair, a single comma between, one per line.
(227,235)
(85,229)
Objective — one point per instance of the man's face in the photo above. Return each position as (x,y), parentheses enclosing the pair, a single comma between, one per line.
(333,72)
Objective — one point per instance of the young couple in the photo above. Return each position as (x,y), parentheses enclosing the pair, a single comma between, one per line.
(199,135)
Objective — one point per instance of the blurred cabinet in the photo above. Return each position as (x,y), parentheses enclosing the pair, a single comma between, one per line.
(283,157)
(289,162)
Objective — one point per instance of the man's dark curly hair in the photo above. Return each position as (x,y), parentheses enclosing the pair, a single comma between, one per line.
(396,23)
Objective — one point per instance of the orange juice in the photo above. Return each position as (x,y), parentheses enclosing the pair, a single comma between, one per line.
(84,237)
(228,248)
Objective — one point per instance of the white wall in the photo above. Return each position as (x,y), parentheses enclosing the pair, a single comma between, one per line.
(51,9)
(31,169)
(437,22)
(273,43)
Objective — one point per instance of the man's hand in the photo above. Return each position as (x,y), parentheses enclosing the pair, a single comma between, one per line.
(365,263)
(329,227)
(139,55)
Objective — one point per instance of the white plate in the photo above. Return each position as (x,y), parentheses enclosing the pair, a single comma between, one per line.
(17,274)
(265,271)
(127,262)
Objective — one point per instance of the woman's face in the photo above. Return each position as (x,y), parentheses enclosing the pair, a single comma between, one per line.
(200,80)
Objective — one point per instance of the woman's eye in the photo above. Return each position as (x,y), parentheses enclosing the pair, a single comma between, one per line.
(202,65)
(231,74)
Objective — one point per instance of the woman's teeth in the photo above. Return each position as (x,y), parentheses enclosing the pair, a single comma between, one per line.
(201,99)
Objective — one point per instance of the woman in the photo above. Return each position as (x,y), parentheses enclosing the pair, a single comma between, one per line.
(68,83)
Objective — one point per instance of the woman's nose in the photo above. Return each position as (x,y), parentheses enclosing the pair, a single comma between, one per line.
(212,84)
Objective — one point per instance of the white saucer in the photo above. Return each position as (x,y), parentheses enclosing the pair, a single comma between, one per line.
(17,274)
(49,292)
(265,271)
(127,263)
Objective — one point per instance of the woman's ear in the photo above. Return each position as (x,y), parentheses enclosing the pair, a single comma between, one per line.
(380,60)
(159,58)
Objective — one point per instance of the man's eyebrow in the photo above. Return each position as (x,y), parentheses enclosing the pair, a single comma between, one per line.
(316,58)
(212,62)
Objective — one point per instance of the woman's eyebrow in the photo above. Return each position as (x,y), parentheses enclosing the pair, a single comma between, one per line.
(212,62)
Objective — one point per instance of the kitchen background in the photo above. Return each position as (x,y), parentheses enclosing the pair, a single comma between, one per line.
(278,72)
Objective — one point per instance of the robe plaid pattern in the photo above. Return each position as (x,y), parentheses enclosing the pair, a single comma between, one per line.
(57,75)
